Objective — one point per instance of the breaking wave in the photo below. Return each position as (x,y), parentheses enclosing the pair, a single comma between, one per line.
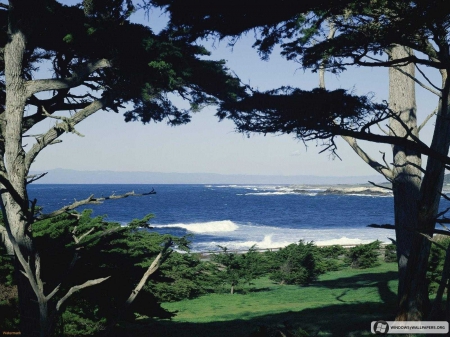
(204,227)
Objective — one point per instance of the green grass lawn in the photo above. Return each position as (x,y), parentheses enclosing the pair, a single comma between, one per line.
(341,303)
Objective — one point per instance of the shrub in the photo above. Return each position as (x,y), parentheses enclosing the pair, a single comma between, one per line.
(329,258)
(297,264)
(436,262)
(235,269)
(333,252)
(390,253)
(364,256)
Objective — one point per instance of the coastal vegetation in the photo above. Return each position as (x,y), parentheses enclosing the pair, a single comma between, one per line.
(192,288)
(86,50)
(406,37)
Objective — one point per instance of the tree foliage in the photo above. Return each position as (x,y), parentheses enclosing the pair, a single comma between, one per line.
(332,36)
(121,252)
(238,268)
(364,256)
(302,263)
(64,63)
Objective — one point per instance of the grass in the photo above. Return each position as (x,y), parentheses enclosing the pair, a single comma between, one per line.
(341,303)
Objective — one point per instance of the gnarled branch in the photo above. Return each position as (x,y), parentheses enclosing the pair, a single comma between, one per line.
(74,289)
(77,78)
(91,200)
(56,131)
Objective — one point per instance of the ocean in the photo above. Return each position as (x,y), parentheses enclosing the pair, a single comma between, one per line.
(239,216)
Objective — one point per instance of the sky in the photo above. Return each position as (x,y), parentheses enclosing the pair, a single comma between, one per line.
(207,146)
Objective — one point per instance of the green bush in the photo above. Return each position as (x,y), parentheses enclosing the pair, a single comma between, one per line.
(297,264)
(185,277)
(333,252)
(390,253)
(236,269)
(436,262)
(330,258)
(364,256)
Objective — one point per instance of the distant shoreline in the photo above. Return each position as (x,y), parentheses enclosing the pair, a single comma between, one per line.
(66,176)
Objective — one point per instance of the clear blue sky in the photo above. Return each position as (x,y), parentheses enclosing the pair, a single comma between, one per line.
(205,145)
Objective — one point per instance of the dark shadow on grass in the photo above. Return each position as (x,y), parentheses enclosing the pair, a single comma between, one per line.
(380,280)
(346,320)
(258,290)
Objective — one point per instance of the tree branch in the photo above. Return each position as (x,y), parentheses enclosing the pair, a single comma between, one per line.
(60,128)
(415,79)
(400,62)
(380,186)
(78,76)
(427,119)
(417,145)
(74,289)
(383,130)
(35,177)
(78,239)
(385,171)
(89,201)
(388,226)
(427,79)
(153,267)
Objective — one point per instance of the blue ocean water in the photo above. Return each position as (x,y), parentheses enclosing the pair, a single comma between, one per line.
(237,216)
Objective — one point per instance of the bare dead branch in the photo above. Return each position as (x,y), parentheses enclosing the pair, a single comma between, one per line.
(440,223)
(54,291)
(35,177)
(380,186)
(426,77)
(37,272)
(423,85)
(150,270)
(445,197)
(160,258)
(385,171)
(384,160)
(427,119)
(382,130)
(91,200)
(51,135)
(78,239)
(67,123)
(74,289)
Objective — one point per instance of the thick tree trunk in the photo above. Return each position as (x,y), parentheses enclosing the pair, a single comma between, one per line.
(12,166)
(414,302)
(406,172)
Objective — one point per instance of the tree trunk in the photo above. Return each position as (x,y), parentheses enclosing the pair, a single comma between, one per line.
(12,165)
(406,171)
(414,302)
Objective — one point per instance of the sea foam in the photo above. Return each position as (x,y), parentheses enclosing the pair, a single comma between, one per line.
(205,227)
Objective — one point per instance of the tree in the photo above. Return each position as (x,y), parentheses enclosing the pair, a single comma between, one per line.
(98,60)
(236,268)
(411,34)
(123,253)
(297,264)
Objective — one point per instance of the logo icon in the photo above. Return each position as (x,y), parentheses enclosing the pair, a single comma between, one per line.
(381,327)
